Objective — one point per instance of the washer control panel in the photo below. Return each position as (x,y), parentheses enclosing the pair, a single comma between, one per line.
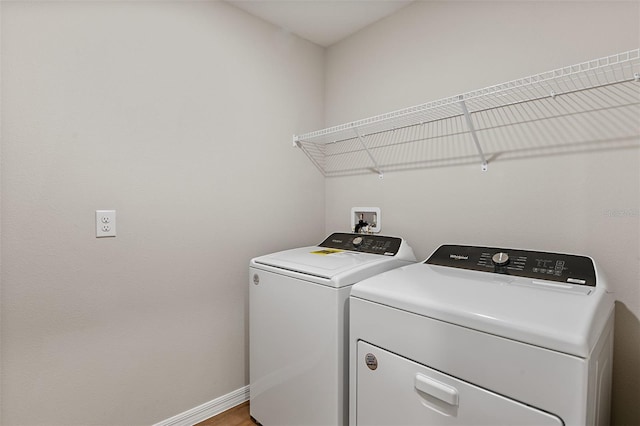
(375,244)
(565,268)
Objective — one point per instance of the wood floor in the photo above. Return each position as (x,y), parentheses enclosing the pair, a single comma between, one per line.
(236,416)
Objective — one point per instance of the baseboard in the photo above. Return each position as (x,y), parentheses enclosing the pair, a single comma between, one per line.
(208,409)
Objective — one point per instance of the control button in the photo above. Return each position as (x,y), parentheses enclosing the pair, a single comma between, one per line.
(357,241)
(500,259)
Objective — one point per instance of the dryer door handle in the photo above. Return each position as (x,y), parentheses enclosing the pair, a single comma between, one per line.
(436,389)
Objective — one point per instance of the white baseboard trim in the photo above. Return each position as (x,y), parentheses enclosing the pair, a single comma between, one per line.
(208,409)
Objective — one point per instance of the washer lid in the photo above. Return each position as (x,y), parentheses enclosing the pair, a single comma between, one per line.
(560,317)
(327,266)
(341,259)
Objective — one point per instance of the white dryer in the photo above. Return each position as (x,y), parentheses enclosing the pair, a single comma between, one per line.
(298,326)
(482,336)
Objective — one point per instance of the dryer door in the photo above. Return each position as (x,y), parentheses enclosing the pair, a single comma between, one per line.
(392,390)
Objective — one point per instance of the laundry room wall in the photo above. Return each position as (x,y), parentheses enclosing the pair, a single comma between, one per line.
(178,115)
(582,200)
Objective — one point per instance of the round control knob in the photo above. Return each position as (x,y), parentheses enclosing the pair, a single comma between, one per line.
(500,259)
(357,241)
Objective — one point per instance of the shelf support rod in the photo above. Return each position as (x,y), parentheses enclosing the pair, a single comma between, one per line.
(472,129)
(376,168)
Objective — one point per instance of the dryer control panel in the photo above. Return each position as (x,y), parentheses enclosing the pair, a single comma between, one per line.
(565,268)
(374,244)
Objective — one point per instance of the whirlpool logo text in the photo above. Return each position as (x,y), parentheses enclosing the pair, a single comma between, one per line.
(458,257)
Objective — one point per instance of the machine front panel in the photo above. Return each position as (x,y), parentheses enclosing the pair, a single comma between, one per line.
(395,390)
(295,362)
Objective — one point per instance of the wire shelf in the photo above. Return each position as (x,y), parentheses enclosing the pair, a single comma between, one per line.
(575,108)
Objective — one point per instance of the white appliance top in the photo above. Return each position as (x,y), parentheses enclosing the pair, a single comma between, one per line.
(340,260)
(503,292)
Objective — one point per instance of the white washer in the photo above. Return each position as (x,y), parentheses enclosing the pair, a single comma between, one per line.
(298,326)
(482,336)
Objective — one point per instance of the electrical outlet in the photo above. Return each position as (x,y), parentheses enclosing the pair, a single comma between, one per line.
(365,215)
(105,223)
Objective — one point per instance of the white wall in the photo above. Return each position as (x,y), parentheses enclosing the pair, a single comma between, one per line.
(556,202)
(179,115)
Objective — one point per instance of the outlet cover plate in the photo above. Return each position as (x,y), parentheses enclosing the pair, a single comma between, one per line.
(105,223)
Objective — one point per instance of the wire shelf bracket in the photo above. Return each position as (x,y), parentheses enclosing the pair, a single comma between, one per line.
(376,168)
(472,130)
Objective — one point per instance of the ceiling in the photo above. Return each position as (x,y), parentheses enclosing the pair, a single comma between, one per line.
(323,22)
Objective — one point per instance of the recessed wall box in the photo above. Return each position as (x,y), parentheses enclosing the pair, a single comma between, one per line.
(365,220)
